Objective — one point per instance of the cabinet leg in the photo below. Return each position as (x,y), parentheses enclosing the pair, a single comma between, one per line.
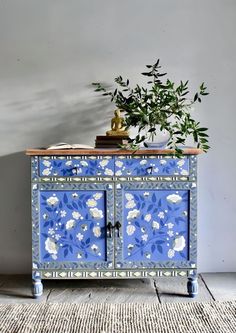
(192,286)
(37,288)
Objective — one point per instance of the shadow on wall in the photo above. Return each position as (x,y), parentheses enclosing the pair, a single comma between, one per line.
(77,121)
(45,119)
(48,117)
(15,220)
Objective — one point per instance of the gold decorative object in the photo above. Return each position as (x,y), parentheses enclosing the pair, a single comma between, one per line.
(117,126)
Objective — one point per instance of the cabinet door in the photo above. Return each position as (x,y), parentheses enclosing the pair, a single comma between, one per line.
(70,226)
(157,220)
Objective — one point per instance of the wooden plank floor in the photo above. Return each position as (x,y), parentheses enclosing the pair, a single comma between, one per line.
(212,286)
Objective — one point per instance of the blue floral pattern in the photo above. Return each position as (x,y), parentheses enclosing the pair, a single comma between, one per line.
(155,225)
(49,167)
(151,166)
(72,226)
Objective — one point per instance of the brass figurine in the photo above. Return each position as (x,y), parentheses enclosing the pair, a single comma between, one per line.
(117,125)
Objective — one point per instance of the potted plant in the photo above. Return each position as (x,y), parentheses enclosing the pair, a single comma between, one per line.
(161,105)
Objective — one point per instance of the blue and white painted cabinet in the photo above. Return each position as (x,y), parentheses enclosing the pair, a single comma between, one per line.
(113,216)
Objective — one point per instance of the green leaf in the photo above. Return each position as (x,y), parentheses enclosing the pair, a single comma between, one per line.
(202,129)
(204,135)
(146,74)
(153,129)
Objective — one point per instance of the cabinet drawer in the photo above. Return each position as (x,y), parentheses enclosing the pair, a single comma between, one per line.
(151,165)
(76,166)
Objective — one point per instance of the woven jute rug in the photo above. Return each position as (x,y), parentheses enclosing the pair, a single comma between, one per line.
(212,317)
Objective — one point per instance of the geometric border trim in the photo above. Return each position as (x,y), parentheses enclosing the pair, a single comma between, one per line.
(110,179)
(109,274)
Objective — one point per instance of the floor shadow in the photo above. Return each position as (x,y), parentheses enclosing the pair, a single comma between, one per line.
(97,283)
(173,294)
(14,294)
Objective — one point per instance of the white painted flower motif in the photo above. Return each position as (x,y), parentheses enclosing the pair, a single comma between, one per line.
(148,255)
(132,214)
(79,255)
(143,162)
(103,163)
(155,225)
(68,163)
(184,172)
(52,201)
(75,195)
(50,246)
(130,246)
(185,213)
(70,224)
(180,163)
(174,198)
(51,231)
(144,237)
(63,213)
(97,231)
(54,256)
(94,247)
(46,172)
(96,213)
(130,204)
(97,196)
(146,194)
(47,163)
(91,203)
(129,196)
(130,229)
(179,243)
(83,163)
(170,233)
(57,237)
(45,216)
(76,215)
(171,253)
(108,172)
(148,217)
(119,164)
(170,225)
(80,236)
(163,162)
(156,170)
(161,215)
(118,173)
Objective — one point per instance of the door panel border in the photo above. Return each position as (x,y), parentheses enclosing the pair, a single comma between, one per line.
(109,204)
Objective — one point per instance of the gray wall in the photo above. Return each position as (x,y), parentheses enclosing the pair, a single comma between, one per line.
(50,51)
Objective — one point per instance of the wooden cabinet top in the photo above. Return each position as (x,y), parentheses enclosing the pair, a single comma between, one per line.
(114,151)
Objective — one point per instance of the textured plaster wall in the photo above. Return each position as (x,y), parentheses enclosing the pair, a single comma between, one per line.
(51,50)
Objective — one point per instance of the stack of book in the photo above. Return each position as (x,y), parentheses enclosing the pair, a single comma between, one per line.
(106,141)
